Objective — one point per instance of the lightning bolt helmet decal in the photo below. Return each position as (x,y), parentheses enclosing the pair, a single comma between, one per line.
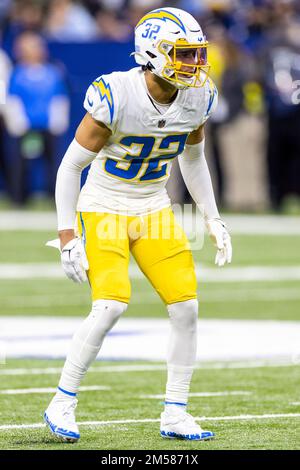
(163,15)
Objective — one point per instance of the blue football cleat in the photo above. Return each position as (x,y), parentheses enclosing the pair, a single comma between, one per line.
(60,419)
(178,424)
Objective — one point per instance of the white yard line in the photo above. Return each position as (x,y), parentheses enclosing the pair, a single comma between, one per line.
(149,368)
(28,391)
(57,370)
(5,427)
(227,274)
(202,394)
(239,224)
(27,220)
(31,271)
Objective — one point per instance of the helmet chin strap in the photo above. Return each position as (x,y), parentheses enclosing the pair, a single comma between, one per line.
(178,86)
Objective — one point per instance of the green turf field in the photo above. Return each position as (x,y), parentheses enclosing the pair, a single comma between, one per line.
(25,246)
(279,299)
(271,391)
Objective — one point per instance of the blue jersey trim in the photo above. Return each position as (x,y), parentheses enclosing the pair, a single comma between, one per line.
(83,229)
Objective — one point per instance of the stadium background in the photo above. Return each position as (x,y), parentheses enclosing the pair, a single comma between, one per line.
(248,365)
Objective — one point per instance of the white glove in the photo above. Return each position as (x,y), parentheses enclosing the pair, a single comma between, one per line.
(73,259)
(221,239)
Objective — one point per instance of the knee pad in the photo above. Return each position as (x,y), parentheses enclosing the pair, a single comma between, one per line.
(106,313)
(184,315)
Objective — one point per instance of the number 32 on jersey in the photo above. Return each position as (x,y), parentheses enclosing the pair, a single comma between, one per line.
(138,165)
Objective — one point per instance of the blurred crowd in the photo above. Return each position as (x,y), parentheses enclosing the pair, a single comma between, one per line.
(255,58)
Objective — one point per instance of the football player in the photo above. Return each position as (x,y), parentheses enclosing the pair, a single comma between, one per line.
(136,123)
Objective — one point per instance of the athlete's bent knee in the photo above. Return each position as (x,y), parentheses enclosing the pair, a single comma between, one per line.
(107,312)
(184,315)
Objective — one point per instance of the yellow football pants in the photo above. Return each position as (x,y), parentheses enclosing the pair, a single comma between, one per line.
(156,241)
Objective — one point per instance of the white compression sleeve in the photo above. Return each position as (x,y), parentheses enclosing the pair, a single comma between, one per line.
(182,350)
(197,178)
(68,183)
(88,340)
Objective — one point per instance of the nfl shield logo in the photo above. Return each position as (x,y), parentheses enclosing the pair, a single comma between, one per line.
(161,123)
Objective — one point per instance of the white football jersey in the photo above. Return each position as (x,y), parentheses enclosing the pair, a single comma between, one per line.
(130,173)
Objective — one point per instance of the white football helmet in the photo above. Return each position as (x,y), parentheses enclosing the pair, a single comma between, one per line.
(170,43)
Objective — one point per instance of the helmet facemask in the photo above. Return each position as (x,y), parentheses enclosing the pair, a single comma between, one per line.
(194,74)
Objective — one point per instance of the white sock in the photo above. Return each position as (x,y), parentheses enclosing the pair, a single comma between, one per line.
(86,344)
(182,351)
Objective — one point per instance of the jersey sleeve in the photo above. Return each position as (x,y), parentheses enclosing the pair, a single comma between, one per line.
(101,101)
(210,99)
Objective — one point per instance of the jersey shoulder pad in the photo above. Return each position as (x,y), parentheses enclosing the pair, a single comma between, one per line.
(101,100)
(210,98)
